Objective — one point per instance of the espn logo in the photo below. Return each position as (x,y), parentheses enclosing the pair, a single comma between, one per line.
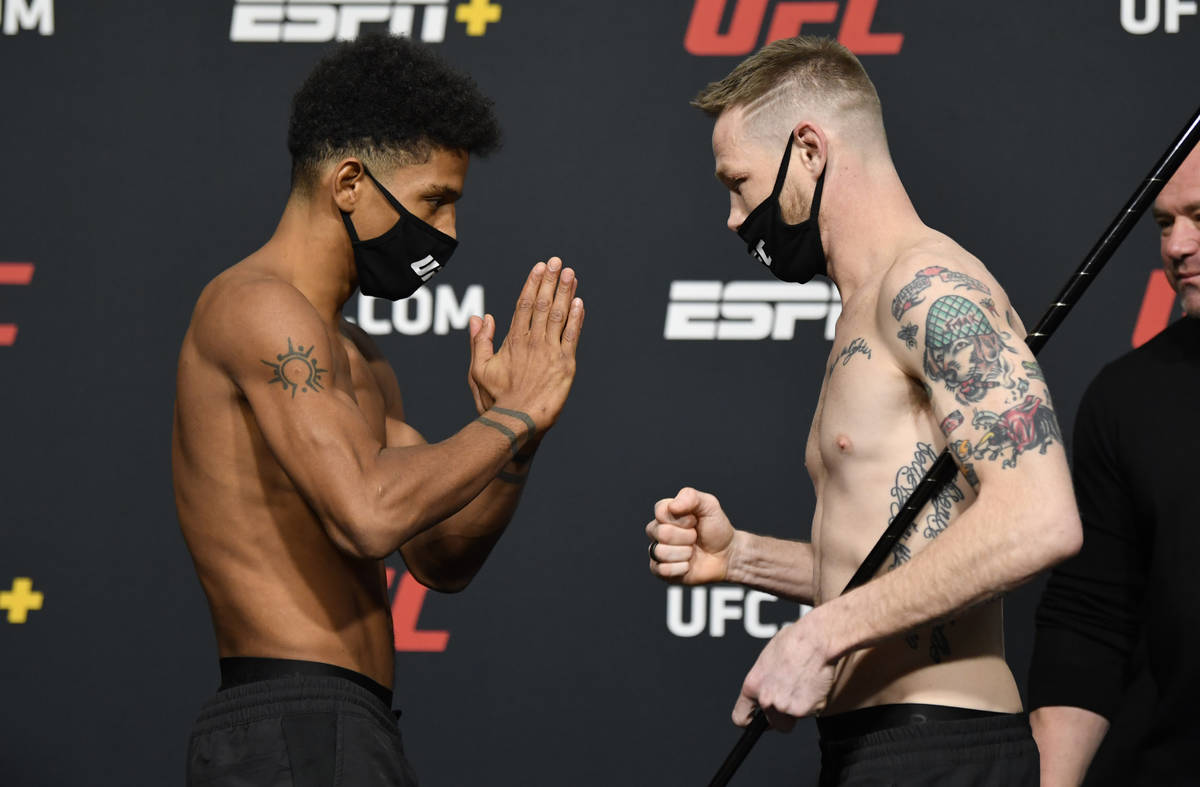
(748,310)
(312,21)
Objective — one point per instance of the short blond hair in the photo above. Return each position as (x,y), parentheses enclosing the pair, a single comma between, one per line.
(804,70)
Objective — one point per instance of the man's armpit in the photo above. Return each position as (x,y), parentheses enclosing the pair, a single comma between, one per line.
(297,369)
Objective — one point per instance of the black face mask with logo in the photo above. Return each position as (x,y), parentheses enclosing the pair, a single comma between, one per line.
(793,252)
(399,261)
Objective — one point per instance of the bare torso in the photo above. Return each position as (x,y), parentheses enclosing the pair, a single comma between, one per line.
(276,584)
(873,436)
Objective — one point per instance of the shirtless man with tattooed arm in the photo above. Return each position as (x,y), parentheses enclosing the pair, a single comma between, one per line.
(906,672)
(296,470)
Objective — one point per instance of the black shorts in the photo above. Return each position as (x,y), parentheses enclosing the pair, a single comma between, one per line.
(313,726)
(929,746)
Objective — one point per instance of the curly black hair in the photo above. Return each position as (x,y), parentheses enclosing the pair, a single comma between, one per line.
(386,96)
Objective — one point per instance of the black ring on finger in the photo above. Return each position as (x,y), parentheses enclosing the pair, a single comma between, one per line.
(653,556)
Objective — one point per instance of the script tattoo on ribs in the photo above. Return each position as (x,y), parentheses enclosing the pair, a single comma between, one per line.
(297,370)
(910,294)
(855,347)
(939,643)
(938,519)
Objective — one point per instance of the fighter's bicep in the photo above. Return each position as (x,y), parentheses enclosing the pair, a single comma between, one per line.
(986,390)
(400,434)
(279,355)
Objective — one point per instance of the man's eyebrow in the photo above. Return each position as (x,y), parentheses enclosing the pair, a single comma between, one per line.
(448,193)
(724,176)
(1191,207)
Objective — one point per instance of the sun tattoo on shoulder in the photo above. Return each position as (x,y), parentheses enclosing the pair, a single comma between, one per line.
(296,369)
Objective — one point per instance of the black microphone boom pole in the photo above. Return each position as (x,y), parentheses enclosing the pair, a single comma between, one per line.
(944,468)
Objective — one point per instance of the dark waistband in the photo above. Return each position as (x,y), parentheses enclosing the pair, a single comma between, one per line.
(864,721)
(240,670)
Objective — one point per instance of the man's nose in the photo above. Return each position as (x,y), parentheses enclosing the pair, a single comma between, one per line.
(736,217)
(1182,240)
(449,223)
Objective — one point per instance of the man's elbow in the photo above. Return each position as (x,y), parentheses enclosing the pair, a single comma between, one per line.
(1061,534)
(368,531)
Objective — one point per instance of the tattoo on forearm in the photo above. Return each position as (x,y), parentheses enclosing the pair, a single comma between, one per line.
(964,351)
(910,294)
(296,369)
(990,305)
(514,442)
(1034,371)
(1030,424)
(908,332)
(855,347)
(520,416)
(511,478)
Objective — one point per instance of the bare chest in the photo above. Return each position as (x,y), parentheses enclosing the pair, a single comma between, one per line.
(865,400)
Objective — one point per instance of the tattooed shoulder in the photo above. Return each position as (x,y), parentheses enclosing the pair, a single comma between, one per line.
(910,294)
(297,370)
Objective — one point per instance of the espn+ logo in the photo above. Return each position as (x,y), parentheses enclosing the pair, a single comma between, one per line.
(748,310)
(743,21)
(313,21)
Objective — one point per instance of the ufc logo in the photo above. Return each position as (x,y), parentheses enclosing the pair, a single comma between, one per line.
(760,253)
(704,36)
(426,268)
(1155,313)
(19,274)
(1169,11)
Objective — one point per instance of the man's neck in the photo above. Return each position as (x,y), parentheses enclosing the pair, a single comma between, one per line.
(314,254)
(870,223)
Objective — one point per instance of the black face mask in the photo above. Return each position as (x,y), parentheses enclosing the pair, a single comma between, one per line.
(399,261)
(793,252)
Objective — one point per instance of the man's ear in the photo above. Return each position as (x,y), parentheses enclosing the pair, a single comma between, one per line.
(347,183)
(811,146)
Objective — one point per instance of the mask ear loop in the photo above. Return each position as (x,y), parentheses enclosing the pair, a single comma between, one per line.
(395,203)
(783,167)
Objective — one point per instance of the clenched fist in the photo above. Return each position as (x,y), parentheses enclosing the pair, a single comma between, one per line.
(695,539)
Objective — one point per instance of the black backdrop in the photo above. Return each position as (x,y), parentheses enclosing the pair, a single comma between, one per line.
(144,152)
